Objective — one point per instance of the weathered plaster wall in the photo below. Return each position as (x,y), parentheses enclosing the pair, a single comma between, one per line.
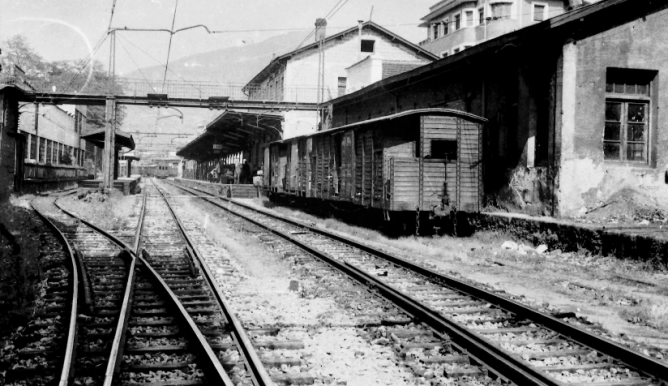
(53,123)
(586,178)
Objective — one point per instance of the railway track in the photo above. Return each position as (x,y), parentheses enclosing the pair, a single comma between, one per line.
(146,325)
(386,328)
(45,348)
(522,344)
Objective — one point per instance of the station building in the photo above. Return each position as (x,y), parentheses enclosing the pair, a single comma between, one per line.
(574,105)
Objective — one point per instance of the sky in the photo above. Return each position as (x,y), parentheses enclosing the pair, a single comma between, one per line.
(70,29)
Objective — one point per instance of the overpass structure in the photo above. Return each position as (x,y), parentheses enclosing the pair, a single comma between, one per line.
(138,92)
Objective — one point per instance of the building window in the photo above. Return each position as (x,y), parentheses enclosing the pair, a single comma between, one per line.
(435,31)
(626,126)
(367,45)
(456,50)
(444,54)
(501,10)
(627,107)
(539,11)
(481,16)
(468,16)
(457,22)
(342,85)
(49,151)
(33,147)
(445,27)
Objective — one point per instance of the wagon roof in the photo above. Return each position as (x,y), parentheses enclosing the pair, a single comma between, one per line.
(426,111)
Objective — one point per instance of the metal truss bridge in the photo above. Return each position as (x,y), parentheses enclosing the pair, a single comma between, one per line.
(140,92)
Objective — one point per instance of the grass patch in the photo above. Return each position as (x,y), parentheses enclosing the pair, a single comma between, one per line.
(111,212)
(649,313)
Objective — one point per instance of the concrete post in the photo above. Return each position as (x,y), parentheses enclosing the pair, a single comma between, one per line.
(566,187)
(109,143)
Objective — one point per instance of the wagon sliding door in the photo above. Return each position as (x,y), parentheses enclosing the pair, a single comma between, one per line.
(450,165)
(469,187)
(438,161)
(363,166)
(347,165)
(404,184)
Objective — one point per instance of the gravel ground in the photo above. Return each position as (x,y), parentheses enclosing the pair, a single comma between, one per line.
(330,331)
(625,297)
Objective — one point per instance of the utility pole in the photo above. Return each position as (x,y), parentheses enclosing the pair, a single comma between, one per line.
(112,61)
(320,31)
(109,154)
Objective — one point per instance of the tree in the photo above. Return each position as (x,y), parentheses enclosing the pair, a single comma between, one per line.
(65,76)
(17,51)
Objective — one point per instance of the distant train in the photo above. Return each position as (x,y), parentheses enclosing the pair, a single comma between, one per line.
(161,168)
(424,161)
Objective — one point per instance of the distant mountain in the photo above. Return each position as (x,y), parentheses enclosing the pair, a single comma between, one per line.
(234,64)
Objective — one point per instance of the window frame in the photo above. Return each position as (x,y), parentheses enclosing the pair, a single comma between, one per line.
(341,89)
(625,101)
(445,54)
(481,15)
(457,22)
(615,76)
(493,6)
(546,12)
(373,46)
(465,13)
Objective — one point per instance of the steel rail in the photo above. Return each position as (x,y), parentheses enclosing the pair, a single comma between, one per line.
(68,359)
(214,371)
(115,355)
(492,356)
(258,372)
(641,363)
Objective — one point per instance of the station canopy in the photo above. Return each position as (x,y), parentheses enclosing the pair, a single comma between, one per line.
(232,132)
(96,137)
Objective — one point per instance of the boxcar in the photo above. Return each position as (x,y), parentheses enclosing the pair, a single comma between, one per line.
(425,160)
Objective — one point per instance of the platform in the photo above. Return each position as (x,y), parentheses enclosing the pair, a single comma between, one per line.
(645,243)
(127,185)
(227,190)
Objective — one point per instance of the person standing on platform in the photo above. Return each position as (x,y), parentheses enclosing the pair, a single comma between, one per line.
(237,172)
(245,172)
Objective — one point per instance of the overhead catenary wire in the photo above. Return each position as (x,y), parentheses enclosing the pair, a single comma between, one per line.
(96,48)
(161,64)
(169,47)
(136,65)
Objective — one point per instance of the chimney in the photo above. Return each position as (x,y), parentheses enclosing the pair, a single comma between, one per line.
(573,4)
(359,28)
(320,29)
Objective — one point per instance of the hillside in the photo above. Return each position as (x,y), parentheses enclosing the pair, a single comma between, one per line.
(234,64)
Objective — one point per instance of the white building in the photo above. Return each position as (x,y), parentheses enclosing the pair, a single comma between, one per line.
(294,76)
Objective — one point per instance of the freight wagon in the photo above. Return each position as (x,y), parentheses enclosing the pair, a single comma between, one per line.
(403,166)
